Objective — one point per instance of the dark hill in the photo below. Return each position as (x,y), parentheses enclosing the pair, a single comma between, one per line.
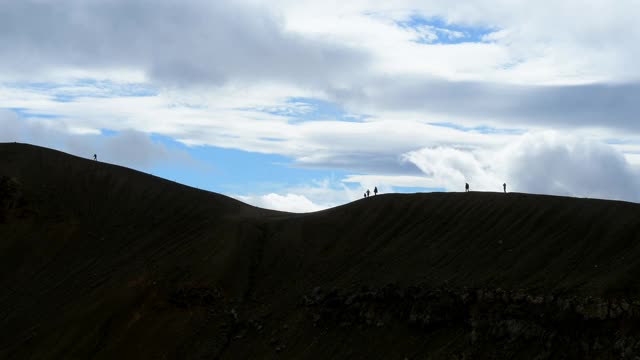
(100,261)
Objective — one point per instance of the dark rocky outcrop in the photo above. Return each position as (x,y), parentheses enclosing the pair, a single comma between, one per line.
(494,323)
(10,196)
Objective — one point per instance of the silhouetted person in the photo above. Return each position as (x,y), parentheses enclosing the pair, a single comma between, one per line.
(466,187)
(365,195)
(95,157)
(375,191)
(368,193)
(504,186)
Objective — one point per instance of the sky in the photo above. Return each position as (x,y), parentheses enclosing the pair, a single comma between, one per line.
(304,105)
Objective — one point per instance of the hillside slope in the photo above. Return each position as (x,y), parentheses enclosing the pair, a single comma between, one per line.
(100,261)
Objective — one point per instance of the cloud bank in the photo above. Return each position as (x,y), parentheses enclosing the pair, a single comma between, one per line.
(288,202)
(128,148)
(544,163)
(174,43)
(426,94)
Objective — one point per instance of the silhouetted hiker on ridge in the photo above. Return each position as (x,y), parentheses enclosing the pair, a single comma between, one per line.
(95,157)
(365,195)
(466,187)
(368,192)
(504,186)
(375,191)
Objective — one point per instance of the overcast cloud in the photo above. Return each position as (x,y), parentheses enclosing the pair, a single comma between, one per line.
(429,93)
(129,148)
(544,163)
(183,43)
(611,105)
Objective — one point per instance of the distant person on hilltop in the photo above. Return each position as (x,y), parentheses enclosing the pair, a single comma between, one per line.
(466,187)
(504,186)
(95,157)
(375,191)
(365,194)
(368,193)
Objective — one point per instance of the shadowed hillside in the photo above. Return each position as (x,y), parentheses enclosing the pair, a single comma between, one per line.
(100,261)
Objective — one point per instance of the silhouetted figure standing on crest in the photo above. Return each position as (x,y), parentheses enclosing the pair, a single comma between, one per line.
(368,193)
(95,157)
(466,187)
(365,195)
(504,186)
(375,191)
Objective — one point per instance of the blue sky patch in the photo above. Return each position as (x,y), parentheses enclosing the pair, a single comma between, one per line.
(435,30)
(231,171)
(482,129)
(413,189)
(85,88)
(301,109)
(108,132)
(323,110)
(27,114)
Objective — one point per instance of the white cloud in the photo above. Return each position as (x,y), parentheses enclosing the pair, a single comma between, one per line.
(355,54)
(556,164)
(451,168)
(220,71)
(330,192)
(546,163)
(427,34)
(128,147)
(587,48)
(185,44)
(288,202)
(388,182)
(314,196)
(225,117)
(9,126)
(320,44)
